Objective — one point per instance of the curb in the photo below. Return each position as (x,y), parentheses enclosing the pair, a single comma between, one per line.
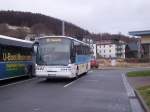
(140,99)
(143,104)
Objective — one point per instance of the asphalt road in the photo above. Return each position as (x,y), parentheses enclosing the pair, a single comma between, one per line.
(97,91)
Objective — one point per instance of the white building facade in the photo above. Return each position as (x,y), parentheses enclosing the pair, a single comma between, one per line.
(109,49)
(94,49)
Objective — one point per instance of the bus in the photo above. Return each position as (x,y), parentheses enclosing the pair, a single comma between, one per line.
(15,57)
(61,57)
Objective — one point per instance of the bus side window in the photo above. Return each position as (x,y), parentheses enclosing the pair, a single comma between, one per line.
(76,47)
(73,52)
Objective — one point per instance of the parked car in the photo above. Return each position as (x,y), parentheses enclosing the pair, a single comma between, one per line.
(94,63)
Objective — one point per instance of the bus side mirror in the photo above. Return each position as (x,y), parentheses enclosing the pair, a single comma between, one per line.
(35,48)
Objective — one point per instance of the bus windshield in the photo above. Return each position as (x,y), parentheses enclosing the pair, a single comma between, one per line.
(53,51)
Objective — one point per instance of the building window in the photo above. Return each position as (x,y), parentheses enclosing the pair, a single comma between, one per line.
(110,50)
(104,51)
(109,45)
(104,45)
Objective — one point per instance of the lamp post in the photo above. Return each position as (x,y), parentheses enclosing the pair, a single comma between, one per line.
(63,28)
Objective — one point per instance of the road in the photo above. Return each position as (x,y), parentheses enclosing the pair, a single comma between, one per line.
(97,91)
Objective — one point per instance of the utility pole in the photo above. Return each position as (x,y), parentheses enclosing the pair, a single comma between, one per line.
(63,28)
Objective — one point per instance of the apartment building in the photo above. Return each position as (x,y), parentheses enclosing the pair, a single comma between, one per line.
(111,48)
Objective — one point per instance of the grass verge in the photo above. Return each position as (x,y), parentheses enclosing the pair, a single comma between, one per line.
(139,73)
(145,93)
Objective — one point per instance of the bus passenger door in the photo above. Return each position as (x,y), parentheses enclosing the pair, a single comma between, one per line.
(73,53)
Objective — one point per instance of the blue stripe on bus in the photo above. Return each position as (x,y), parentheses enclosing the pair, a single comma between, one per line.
(80,59)
(17,70)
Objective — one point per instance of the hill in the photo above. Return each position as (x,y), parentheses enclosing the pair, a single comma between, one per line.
(19,24)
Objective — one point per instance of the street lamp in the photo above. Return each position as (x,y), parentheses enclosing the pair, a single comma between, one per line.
(63,27)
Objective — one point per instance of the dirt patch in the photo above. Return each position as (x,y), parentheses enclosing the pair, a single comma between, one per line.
(139,81)
(120,63)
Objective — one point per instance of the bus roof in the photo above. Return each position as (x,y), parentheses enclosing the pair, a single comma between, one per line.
(65,37)
(5,40)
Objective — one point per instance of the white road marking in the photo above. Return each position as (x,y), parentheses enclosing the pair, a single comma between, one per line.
(73,82)
(69,84)
(76,80)
(15,83)
(129,89)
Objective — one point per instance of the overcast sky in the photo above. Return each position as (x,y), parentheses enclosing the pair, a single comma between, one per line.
(97,16)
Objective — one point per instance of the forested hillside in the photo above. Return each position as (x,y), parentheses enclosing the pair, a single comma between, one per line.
(20,24)
(34,23)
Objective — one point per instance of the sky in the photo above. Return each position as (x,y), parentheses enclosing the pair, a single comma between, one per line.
(97,16)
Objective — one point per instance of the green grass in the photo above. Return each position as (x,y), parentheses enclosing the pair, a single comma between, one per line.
(145,93)
(139,73)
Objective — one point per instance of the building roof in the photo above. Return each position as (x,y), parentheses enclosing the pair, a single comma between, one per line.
(140,33)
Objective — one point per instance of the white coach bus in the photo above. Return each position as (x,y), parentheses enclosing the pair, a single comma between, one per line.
(61,56)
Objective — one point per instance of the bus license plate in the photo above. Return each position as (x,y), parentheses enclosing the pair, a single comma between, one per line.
(51,75)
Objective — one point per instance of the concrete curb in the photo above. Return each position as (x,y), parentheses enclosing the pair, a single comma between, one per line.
(129,88)
(140,99)
(143,104)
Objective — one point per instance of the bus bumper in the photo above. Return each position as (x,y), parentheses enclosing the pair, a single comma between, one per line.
(55,74)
